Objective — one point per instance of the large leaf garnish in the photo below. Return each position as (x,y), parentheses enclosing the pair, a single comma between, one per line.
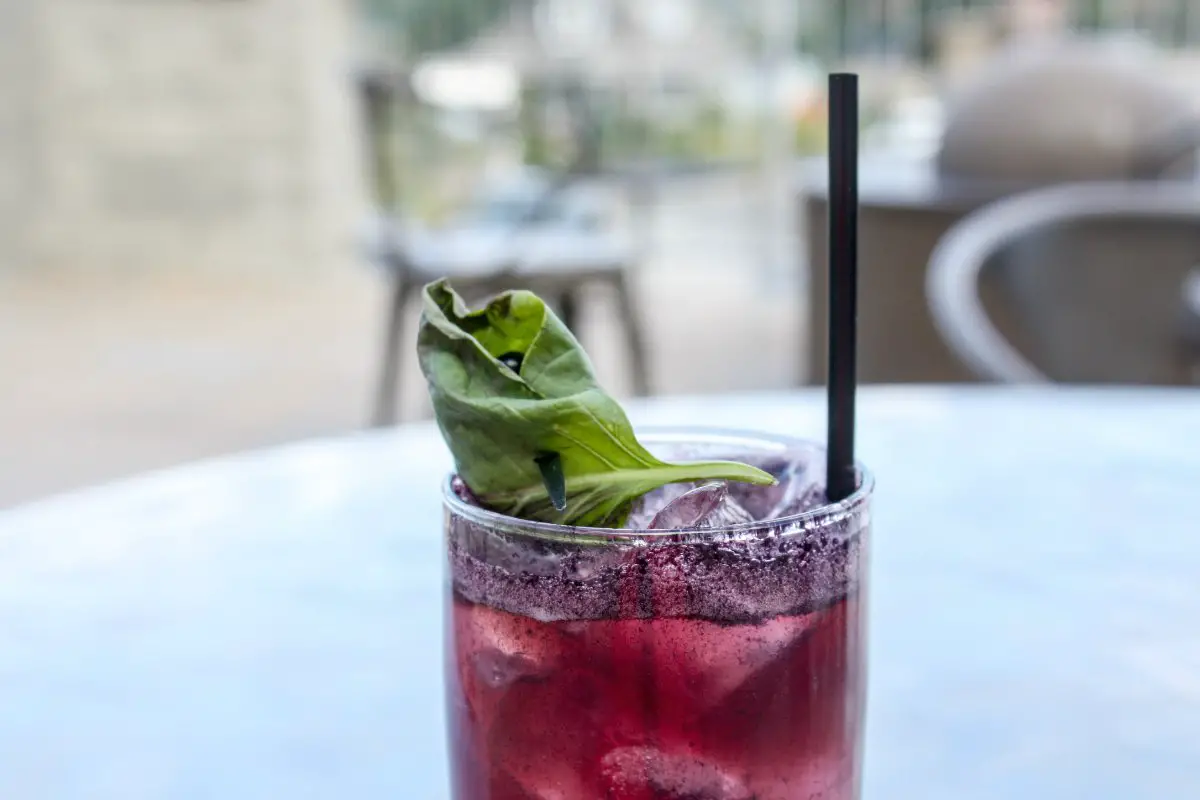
(532,434)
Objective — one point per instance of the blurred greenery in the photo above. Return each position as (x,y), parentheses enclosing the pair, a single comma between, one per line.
(536,148)
(422,26)
(433,165)
(434,170)
(425,26)
(810,133)
(702,129)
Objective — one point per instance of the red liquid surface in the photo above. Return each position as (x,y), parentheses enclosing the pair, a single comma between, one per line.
(655,709)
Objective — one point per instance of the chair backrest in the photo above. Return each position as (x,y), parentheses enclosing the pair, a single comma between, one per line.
(1098,272)
(381,92)
(548,196)
(586,156)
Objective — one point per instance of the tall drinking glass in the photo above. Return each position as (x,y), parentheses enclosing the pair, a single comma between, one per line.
(724,660)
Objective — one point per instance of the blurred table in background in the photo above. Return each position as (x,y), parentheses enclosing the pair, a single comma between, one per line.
(905,208)
(268,625)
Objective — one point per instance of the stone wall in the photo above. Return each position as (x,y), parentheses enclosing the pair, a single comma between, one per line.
(18,128)
(178,134)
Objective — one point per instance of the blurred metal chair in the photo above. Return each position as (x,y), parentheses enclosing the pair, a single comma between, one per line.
(1104,277)
(1040,114)
(531,246)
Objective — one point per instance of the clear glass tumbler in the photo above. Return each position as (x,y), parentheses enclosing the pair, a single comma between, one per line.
(726,663)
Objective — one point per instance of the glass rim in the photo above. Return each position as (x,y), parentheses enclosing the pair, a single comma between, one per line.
(819,517)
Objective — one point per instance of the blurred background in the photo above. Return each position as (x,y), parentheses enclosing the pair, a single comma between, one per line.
(215,214)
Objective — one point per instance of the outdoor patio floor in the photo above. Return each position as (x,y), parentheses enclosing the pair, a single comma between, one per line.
(108,376)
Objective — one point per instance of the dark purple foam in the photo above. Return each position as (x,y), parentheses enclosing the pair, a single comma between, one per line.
(747,574)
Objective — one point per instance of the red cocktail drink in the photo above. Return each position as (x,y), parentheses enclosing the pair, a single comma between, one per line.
(713,651)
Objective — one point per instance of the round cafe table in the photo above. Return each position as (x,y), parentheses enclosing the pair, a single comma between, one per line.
(268,625)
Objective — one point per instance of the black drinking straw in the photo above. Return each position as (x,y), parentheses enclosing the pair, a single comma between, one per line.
(840,478)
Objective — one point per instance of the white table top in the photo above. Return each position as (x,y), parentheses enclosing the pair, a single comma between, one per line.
(268,625)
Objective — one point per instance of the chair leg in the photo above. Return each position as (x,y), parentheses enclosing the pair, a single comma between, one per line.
(1188,362)
(568,311)
(389,368)
(634,337)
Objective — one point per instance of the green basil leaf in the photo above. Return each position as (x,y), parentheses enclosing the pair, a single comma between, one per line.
(518,404)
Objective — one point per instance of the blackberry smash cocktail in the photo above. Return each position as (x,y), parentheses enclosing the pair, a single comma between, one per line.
(672,616)
(724,662)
